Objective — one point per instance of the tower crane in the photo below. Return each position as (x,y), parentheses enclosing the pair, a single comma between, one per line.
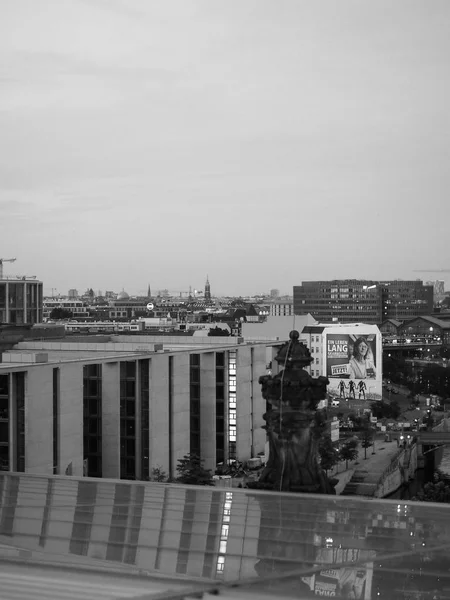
(3,260)
(431,271)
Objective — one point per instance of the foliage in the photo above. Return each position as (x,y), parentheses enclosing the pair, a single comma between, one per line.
(158,474)
(218,331)
(436,491)
(366,437)
(327,452)
(396,369)
(320,424)
(349,451)
(191,471)
(385,410)
(60,313)
(435,379)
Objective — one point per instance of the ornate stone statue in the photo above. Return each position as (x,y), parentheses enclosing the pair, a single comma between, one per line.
(293,396)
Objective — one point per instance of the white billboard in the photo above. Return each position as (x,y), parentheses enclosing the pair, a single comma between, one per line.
(353,361)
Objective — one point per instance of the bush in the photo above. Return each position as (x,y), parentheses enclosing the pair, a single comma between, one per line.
(191,471)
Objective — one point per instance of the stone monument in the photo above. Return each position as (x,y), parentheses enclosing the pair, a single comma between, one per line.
(293,396)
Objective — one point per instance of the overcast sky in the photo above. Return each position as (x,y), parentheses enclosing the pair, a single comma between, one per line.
(262,142)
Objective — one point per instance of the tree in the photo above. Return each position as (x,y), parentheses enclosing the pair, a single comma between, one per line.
(191,471)
(385,410)
(349,451)
(366,437)
(218,331)
(436,491)
(395,409)
(329,457)
(60,313)
(158,474)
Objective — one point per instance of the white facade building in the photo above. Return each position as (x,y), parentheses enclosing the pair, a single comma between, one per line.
(350,355)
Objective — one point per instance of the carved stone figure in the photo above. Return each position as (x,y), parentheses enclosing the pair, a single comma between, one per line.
(293,396)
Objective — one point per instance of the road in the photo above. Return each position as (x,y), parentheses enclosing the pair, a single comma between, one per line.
(357,406)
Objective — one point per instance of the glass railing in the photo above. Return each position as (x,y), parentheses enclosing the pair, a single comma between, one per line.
(284,544)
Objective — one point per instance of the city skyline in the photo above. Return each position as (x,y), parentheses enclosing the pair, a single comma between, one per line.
(258,143)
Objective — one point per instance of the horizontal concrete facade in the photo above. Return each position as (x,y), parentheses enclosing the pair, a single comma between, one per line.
(169,405)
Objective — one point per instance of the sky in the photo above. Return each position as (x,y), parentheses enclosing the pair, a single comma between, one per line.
(262,143)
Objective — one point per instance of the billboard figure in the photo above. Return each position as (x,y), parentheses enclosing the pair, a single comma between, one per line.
(351,386)
(342,388)
(362,390)
(362,365)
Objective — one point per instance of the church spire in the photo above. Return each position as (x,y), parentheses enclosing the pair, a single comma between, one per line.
(207,290)
(149,292)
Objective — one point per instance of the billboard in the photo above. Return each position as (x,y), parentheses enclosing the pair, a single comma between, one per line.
(344,582)
(353,362)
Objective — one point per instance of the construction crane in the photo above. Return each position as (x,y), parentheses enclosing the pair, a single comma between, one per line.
(431,271)
(3,260)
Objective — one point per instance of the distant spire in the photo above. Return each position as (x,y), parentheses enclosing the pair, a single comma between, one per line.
(149,292)
(207,290)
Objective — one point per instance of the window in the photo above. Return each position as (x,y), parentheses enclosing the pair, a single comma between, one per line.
(92,418)
(145,418)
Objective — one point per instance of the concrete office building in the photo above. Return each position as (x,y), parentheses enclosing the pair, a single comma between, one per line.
(20,301)
(354,300)
(281,308)
(121,408)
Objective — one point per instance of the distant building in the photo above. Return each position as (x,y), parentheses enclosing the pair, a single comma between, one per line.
(73,294)
(76,307)
(207,290)
(438,290)
(340,301)
(124,307)
(355,300)
(283,308)
(274,293)
(21,301)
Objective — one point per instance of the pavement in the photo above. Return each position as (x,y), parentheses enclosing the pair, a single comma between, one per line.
(362,476)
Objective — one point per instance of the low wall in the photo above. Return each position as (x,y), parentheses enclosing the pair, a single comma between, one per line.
(401,470)
(344,478)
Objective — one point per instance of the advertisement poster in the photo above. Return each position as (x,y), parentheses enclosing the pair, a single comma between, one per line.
(353,582)
(344,583)
(352,365)
(351,356)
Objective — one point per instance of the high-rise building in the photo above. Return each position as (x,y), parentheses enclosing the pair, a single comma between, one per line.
(356,300)
(274,293)
(406,299)
(207,290)
(339,301)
